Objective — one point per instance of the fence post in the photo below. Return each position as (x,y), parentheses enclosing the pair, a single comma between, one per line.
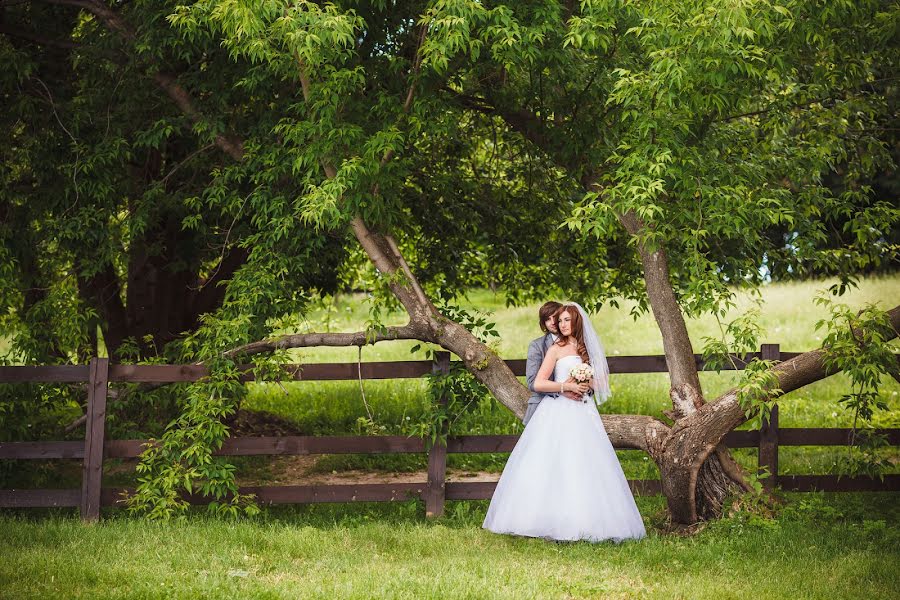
(768,431)
(92,476)
(437,454)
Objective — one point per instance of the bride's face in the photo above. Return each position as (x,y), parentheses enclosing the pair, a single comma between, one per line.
(564,322)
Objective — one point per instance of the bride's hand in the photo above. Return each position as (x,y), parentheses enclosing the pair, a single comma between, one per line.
(571,395)
(581,388)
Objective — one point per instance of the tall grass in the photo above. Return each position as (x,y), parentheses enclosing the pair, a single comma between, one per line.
(788,316)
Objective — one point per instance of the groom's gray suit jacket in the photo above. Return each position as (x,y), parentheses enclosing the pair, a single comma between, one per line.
(537,349)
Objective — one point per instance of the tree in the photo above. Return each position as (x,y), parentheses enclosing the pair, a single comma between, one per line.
(109,172)
(683,145)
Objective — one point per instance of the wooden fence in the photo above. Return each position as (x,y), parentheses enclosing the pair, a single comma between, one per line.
(434,491)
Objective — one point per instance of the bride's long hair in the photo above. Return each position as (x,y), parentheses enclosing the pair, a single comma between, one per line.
(577,331)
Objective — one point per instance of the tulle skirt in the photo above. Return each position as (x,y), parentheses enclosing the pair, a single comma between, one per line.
(563,480)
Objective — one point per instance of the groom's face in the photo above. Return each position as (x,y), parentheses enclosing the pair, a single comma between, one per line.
(550,324)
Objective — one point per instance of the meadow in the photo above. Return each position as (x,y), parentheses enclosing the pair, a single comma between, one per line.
(788,316)
(818,546)
(815,545)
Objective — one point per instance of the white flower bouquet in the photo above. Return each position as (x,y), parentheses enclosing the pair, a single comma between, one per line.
(582,373)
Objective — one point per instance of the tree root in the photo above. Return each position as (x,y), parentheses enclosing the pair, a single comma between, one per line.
(714,485)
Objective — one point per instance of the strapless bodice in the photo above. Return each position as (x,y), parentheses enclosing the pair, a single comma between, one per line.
(564,366)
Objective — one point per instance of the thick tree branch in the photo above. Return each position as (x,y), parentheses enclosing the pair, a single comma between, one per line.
(686,392)
(375,245)
(638,432)
(378,248)
(388,155)
(167,82)
(698,434)
(231,146)
(475,103)
(404,266)
(522,120)
(85,4)
(425,321)
(209,293)
(307,340)
(381,249)
(410,94)
(37,39)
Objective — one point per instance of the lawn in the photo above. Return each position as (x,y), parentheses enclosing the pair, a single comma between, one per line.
(819,546)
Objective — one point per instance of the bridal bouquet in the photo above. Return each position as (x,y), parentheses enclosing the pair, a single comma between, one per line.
(582,373)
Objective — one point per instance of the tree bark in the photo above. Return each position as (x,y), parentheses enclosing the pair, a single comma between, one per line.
(102,292)
(696,437)
(686,391)
(702,485)
(308,340)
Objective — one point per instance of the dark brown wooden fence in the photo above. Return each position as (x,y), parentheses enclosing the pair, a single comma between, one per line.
(434,491)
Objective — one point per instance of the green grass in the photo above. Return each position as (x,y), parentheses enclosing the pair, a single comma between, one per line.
(787,316)
(819,546)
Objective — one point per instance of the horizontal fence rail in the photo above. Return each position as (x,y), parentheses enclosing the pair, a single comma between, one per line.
(406,369)
(435,490)
(393,444)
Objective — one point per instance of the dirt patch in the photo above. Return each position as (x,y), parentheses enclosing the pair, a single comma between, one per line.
(300,470)
(347,477)
(259,423)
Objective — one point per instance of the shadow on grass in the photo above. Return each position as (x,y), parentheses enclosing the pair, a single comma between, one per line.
(877,511)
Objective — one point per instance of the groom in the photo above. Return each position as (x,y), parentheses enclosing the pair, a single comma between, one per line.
(537,349)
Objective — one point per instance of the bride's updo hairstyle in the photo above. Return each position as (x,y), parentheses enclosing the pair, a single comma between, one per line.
(577,331)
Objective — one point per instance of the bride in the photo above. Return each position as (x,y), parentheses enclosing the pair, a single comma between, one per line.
(563,480)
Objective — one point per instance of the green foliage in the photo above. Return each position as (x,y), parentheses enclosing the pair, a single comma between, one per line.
(455,393)
(758,383)
(498,143)
(739,336)
(183,462)
(857,344)
(755,508)
(868,455)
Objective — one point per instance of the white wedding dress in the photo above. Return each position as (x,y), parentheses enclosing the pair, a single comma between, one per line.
(563,480)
